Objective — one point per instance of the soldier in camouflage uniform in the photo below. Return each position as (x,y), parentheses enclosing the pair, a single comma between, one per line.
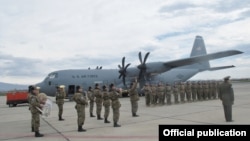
(153,94)
(134,98)
(161,93)
(176,93)
(106,103)
(213,90)
(168,93)
(182,91)
(98,99)
(80,107)
(60,95)
(226,95)
(199,91)
(34,104)
(188,89)
(205,90)
(194,91)
(91,98)
(29,98)
(114,96)
(147,91)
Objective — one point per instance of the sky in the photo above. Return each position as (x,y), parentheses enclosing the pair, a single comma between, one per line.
(41,36)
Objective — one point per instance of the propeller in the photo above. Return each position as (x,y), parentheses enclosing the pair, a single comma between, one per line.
(142,66)
(123,70)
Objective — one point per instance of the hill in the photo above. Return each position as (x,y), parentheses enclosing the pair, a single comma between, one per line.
(9,86)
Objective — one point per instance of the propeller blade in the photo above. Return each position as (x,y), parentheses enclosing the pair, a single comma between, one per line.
(146,57)
(119,66)
(127,66)
(120,76)
(123,61)
(140,58)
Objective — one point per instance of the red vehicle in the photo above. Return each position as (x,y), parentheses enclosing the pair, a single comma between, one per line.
(16,97)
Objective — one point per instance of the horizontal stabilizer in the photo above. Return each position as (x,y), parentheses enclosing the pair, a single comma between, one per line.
(220,68)
(201,58)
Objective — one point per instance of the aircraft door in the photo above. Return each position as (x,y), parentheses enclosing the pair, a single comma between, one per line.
(71,91)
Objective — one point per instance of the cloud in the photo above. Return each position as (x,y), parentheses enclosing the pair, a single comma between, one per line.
(60,34)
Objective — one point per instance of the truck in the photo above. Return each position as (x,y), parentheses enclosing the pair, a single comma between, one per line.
(16,97)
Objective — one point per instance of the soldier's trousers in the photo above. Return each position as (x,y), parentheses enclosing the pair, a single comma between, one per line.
(91,107)
(98,108)
(36,121)
(205,94)
(134,106)
(153,100)
(176,97)
(194,95)
(182,96)
(147,99)
(116,114)
(228,112)
(106,111)
(160,98)
(60,108)
(80,114)
(168,97)
(188,95)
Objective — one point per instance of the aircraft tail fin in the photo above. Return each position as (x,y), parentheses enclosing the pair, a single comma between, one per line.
(199,49)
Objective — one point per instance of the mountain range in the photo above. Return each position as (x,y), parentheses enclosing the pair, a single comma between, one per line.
(9,86)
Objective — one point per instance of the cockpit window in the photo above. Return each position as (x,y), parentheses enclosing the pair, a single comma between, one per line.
(52,75)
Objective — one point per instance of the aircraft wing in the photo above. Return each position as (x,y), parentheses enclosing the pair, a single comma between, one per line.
(220,68)
(201,58)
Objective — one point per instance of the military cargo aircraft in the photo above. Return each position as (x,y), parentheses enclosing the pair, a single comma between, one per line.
(152,72)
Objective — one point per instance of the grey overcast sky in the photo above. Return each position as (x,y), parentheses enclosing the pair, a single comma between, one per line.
(40,36)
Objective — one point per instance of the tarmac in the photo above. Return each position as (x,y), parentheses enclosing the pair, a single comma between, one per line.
(15,123)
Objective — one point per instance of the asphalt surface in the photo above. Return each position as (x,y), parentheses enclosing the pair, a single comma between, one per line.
(15,122)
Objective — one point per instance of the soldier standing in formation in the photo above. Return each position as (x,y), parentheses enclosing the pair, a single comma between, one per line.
(199,91)
(91,98)
(205,90)
(114,96)
(176,93)
(29,98)
(134,98)
(147,91)
(153,94)
(182,92)
(80,107)
(106,103)
(194,90)
(98,100)
(188,90)
(60,95)
(226,95)
(168,94)
(161,93)
(34,104)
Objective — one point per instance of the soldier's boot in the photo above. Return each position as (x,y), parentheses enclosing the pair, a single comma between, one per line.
(99,117)
(60,118)
(80,129)
(91,115)
(135,115)
(116,125)
(32,129)
(37,134)
(106,121)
